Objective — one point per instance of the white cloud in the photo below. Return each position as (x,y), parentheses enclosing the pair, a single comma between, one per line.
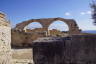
(88,12)
(67,14)
(82,13)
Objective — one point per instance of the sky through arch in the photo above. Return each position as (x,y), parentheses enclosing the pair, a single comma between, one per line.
(34,25)
(59,25)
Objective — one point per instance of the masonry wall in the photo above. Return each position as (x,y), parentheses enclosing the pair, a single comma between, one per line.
(26,40)
(81,49)
(77,49)
(5,40)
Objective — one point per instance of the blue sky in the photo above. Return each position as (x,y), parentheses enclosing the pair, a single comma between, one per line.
(21,10)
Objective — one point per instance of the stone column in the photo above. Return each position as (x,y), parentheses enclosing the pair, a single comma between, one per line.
(5,40)
(46,30)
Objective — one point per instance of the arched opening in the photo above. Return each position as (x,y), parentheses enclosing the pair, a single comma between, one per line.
(33,27)
(58,28)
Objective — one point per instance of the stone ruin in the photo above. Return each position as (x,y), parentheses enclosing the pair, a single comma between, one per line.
(76,48)
(5,40)
(73,27)
(30,35)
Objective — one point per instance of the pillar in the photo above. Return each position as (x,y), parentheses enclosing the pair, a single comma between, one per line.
(46,30)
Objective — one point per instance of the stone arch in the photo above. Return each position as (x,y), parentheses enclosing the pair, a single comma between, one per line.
(31,25)
(73,27)
(22,25)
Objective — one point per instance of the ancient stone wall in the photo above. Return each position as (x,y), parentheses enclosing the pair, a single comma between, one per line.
(76,49)
(55,32)
(26,40)
(5,40)
(81,49)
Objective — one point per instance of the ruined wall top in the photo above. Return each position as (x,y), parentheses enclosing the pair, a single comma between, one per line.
(2,15)
(3,20)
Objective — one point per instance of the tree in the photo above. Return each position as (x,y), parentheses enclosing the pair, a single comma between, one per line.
(93,6)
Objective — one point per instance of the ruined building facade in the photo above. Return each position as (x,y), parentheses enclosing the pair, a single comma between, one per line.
(45,22)
(5,40)
(29,35)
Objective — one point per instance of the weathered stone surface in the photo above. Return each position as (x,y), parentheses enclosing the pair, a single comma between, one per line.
(76,49)
(26,53)
(5,40)
(48,50)
(26,40)
(22,56)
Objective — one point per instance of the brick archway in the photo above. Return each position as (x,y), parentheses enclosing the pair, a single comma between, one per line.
(73,27)
(33,25)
